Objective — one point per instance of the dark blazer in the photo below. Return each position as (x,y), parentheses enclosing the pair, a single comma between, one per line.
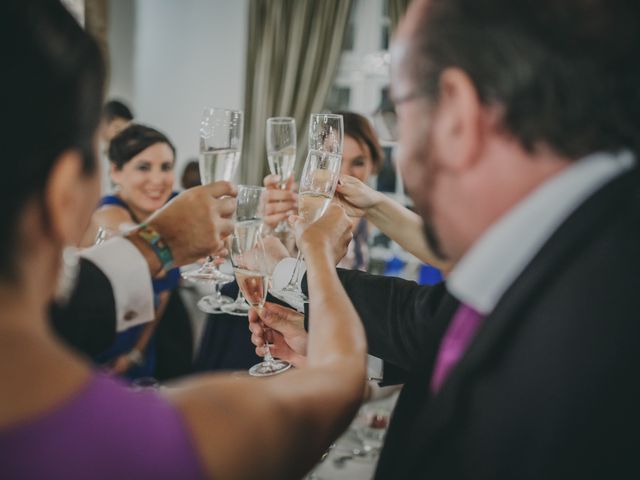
(88,321)
(549,387)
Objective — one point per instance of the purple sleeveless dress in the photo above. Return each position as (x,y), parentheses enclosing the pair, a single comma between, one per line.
(106,431)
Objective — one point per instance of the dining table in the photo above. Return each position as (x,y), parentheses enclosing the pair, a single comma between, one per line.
(354,455)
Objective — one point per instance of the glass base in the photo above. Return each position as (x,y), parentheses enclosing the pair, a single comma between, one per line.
(268,368)
(236,308)
(206,274)
(213,303)
(290,295)
(283,227)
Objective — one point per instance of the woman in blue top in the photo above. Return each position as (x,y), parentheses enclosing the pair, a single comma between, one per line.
(142,168)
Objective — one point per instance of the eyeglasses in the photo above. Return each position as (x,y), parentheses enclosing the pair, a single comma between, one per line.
(409,97)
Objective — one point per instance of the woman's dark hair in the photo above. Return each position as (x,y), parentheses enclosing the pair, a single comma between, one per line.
(564,73)
(359,128)
(51,95)
(133,140)
(116,109)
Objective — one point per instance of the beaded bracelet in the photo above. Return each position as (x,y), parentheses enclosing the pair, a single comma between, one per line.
(157,244)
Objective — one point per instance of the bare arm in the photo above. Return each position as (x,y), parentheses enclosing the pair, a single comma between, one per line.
(279,426)
(394,220)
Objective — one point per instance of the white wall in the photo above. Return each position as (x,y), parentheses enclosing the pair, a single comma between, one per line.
(176,57)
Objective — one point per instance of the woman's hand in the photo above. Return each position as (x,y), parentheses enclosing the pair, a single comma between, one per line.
(287,336)
(280,203)
(330,234)
(356,197)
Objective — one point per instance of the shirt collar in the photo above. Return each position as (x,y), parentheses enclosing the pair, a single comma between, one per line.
(494,262)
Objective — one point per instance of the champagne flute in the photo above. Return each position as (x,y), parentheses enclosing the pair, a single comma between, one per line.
(326,132)
(281,153)
(249,215)
(317,187)
(251,267)
(220,148)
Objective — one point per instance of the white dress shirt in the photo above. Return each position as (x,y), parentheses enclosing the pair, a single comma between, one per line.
(128,273)
(494,262)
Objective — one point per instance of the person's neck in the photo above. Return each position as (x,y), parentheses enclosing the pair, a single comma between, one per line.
(24,312)
(25,296)
(505,180)
(34,365)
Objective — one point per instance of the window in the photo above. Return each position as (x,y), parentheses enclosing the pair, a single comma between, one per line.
(362,81)
(338,98)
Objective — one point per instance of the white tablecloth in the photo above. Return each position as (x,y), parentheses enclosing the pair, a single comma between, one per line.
(336,466)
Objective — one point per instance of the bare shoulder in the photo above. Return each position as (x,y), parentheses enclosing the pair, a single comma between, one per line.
(108,216)
(111,216)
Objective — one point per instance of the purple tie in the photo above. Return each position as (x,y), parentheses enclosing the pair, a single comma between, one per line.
(464,325)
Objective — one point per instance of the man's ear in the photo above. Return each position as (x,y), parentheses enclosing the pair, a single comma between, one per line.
(66,198)
(457,127)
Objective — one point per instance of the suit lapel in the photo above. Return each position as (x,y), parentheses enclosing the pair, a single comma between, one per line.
(512,308)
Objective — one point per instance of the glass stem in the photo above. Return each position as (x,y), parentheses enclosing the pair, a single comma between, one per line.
(240,298)
(267,351)
(293,281)
(211,262)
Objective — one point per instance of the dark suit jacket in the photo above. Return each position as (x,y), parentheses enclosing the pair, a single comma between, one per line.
(549,387)
(88,321)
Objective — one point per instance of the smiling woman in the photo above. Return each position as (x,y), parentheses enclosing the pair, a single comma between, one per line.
(142,161)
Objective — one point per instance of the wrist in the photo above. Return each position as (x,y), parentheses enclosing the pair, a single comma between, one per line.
(144,244)
(155,267)
(376,206)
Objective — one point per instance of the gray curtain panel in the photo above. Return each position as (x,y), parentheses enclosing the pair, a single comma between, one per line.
(96,21)
(293,51)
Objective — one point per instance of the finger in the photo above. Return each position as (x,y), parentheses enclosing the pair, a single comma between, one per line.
(257,341)
(289,184)
(271,181)
(224,227)
(282,207)
(225,206)
(280,196)
(219,189)
(273,220)
(222,252)
(274,310)
(256,331)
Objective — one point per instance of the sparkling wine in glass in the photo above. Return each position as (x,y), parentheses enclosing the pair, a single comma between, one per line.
(219,164)
(247,229)
(252,270)
(220,149)
(281,153)
(317,186)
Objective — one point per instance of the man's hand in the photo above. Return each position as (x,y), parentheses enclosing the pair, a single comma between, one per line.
(331,233)
(196,222)
(287,336)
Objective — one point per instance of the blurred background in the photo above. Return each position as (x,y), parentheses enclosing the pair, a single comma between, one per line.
(169,59)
